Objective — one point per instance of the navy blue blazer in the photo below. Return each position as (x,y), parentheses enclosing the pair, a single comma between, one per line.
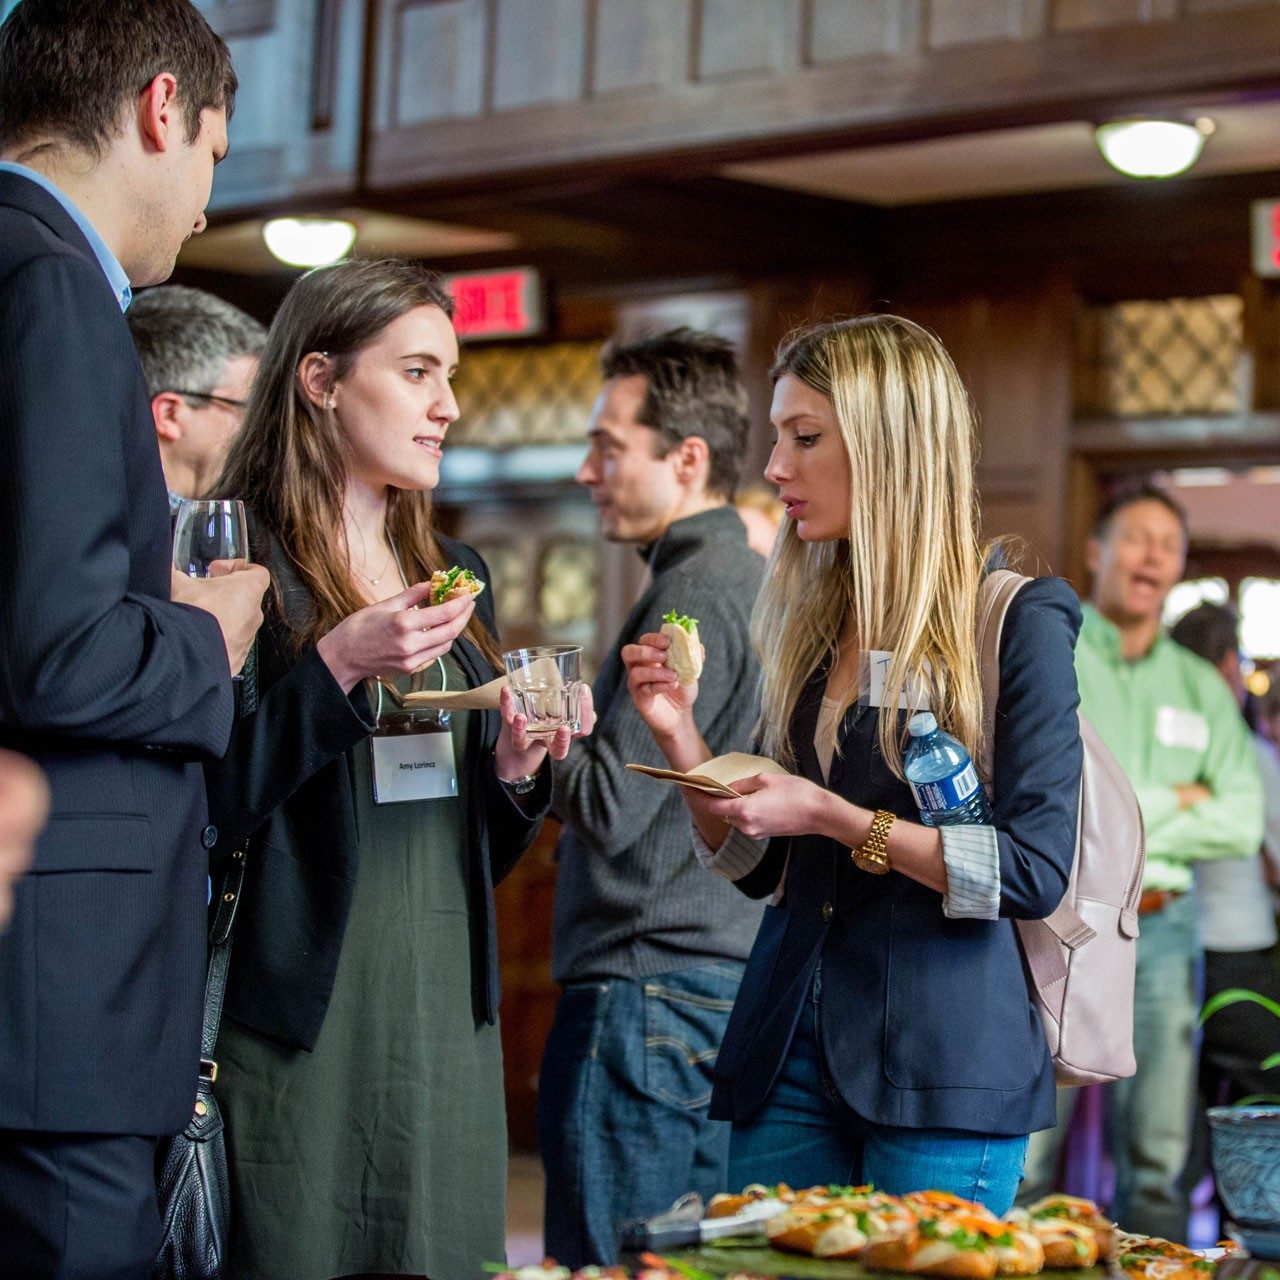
(926,1022)
(113,689)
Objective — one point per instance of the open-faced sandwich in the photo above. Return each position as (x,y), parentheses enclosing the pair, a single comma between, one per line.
(939,1204)
(684,654)
(1050,1213)
(936,1247)
(1067,1245)
(1150,1258)
(837,1222)
(449,584)
(726,1205)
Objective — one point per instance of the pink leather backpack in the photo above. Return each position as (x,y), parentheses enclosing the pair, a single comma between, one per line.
(1080,960)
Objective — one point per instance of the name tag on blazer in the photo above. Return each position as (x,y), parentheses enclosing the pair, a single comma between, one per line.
(873,676)
(1176,727)
(413,766)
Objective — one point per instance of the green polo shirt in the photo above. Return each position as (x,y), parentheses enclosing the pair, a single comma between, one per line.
(1170,720)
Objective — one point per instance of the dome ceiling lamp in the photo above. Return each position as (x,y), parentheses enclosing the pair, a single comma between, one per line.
(309,242)
(1152,148)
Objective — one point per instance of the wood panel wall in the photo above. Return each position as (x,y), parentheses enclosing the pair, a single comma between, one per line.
(297,126)
(474,89)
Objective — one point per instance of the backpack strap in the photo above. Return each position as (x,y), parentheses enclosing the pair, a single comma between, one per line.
(995,595)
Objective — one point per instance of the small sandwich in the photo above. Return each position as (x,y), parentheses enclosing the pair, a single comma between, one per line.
(727,1205)
(449,584)
(1059,1208)
(684,654)
(941,1247)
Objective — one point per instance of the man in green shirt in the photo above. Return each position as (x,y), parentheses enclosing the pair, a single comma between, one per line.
(1170,721)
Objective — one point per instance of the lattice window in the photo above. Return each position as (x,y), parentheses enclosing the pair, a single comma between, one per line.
(1179,356)
(513,396)
(508,580)
(567,592)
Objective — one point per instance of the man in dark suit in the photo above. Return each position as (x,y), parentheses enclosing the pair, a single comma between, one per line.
(111,119)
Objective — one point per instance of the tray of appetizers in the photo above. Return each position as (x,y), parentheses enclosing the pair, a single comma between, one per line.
(844,1233)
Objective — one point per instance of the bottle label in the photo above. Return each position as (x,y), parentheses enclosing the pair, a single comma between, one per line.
(946,793)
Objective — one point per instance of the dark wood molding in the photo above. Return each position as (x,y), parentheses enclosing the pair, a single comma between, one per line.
(324,64)
(1157,442)
(1063,75)
(232,19)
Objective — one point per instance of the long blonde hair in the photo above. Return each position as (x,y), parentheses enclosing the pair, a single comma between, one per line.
(289,459)
(906,579)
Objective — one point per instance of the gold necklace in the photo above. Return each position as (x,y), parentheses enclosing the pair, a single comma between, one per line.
(382,573)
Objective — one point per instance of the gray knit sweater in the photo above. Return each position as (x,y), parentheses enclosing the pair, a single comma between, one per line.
(631,899)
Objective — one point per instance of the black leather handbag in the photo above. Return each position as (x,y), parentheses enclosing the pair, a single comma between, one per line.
(194,1186)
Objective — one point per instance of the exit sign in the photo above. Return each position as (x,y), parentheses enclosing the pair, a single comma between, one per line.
(1266,237)
(497,304)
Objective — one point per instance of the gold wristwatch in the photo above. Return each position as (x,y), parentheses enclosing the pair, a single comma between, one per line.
(873,854)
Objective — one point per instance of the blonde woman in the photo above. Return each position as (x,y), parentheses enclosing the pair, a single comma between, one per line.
(883,1032)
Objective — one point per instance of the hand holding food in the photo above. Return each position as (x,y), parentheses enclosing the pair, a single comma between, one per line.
(449,584)
(684,656)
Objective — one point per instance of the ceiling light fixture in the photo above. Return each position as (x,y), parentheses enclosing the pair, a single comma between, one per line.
(1152,148)
(309,242)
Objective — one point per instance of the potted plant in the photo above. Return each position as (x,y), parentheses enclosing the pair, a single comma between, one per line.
(1246,1148)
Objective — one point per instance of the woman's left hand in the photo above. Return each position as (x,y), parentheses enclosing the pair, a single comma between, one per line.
(774,804)
(517,755)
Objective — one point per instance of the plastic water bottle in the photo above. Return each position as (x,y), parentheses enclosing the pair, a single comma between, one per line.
(942,777)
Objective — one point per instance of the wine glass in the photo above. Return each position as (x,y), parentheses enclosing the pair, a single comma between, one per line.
(207,530)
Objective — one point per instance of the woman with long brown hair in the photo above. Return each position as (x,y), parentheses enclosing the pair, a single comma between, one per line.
(359,1062)
(883,1030)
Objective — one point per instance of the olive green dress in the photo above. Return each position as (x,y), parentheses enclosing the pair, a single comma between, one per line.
(384,1150)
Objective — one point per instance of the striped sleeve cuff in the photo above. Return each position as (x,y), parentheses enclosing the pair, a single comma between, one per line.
(972,857)
(736,857)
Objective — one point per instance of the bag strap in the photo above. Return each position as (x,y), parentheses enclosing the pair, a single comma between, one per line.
(224,919)
(995,595)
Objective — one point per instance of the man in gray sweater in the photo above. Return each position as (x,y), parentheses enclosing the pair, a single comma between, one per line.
(648,947)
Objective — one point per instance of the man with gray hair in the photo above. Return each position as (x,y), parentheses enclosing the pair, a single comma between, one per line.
(200,355)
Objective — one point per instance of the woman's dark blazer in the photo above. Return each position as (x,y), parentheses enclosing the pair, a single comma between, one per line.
(286,787)
(925,1022)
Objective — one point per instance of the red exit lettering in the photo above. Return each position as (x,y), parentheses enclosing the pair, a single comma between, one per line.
(499,304)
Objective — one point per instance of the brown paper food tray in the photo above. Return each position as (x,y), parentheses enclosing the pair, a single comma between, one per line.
(716,777)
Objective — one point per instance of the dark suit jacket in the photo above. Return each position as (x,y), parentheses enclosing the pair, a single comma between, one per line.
(286,786)
(926,1022)
(115,691)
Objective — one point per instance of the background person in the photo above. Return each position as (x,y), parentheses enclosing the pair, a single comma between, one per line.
(360,1067)
(199,354)
(111,119)
(1177,733)
(761,510)
(1237,915)
(884,1031)
(648,948)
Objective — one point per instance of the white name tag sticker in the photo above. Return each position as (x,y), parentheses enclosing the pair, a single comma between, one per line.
(877,673)
(413,766)
(1178,728)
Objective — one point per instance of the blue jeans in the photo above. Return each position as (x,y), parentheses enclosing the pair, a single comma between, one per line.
(805,1134)
(622,1104)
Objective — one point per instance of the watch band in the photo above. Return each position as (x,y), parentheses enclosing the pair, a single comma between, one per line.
(873,854)
(522,785)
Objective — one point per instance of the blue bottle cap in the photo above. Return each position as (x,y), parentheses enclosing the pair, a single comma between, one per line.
(922,724)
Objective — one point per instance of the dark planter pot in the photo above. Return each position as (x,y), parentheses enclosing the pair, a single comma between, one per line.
(1246,1168)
